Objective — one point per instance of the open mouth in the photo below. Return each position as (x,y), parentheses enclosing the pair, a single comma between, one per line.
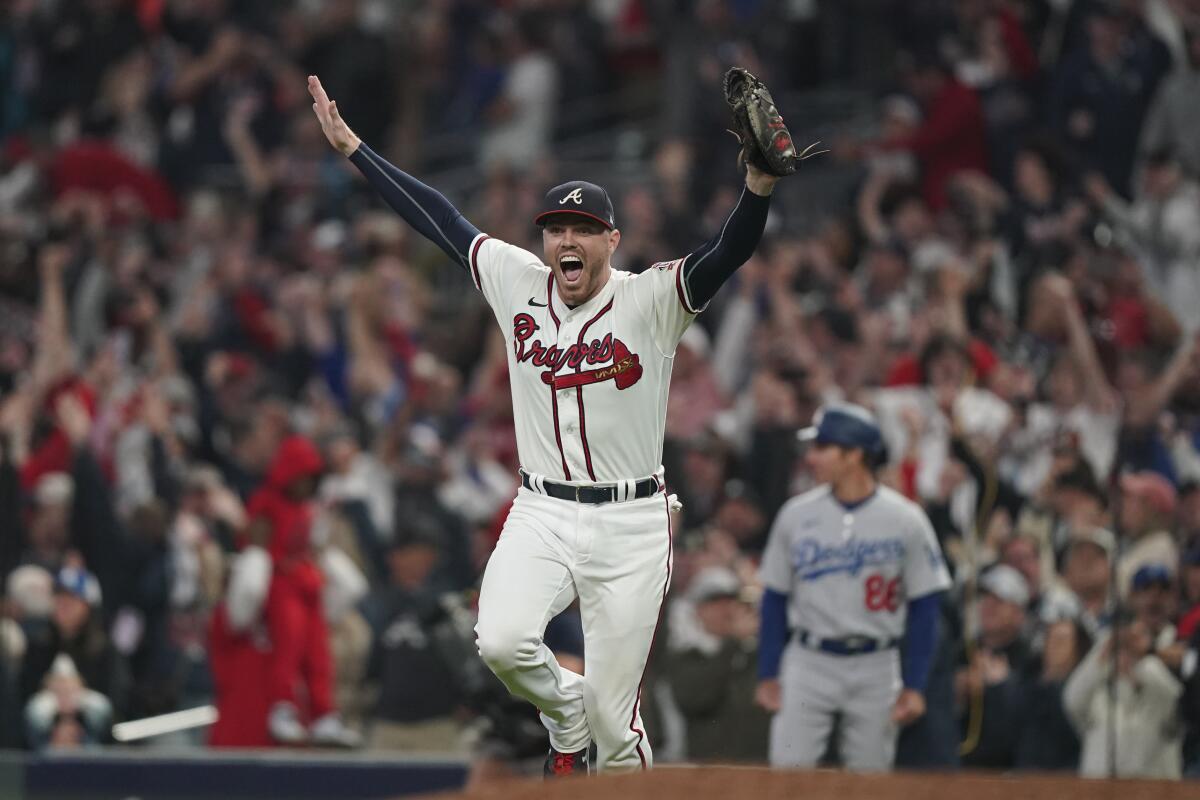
(572,267)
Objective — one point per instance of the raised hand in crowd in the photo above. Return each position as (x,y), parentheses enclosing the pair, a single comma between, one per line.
(73,418)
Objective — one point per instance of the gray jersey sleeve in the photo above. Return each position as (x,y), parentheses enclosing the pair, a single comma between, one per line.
(776,569)
(924,568)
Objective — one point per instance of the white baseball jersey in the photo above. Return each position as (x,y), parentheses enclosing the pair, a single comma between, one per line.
(589,384)
(851,571)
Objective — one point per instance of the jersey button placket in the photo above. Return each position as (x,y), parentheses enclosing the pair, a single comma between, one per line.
(565,340)
(566,337)
(568,407)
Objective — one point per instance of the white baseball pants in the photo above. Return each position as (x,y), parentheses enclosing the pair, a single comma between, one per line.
(616,558)
(815,686)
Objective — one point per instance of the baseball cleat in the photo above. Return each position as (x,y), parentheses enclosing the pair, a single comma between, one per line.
(561,765)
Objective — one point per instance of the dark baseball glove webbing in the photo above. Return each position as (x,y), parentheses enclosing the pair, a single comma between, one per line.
(765,139)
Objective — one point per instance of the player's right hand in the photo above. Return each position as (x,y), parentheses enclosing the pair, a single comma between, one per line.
(769,695)
(909,707)
(335,128)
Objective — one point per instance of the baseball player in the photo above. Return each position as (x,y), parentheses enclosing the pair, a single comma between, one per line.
(589,358)
(850,568)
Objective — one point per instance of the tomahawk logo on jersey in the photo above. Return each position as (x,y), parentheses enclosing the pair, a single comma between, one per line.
(602,369)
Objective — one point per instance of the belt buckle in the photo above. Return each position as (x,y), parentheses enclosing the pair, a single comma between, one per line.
(856,642)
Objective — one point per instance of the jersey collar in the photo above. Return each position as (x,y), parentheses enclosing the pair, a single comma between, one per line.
(587,309)
(857,504)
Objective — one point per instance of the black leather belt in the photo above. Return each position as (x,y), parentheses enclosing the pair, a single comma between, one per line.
(646,487)
(849,646)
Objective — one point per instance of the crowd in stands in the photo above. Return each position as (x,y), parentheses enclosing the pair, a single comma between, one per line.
(257,435)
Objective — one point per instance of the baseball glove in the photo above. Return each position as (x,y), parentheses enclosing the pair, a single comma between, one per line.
(765,139)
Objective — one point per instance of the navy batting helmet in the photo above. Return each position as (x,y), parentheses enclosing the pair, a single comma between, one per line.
(846,425)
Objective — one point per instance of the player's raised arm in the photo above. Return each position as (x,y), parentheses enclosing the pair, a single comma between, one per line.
(769,154)
(706,269)
(424,208)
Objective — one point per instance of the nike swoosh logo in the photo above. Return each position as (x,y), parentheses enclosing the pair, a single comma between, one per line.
(533,302)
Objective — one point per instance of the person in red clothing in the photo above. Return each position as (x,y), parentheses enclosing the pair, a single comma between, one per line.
(950,139)
(240,662)
(281,516)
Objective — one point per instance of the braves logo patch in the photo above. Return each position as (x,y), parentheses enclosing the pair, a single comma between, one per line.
(613,358)
(575,196)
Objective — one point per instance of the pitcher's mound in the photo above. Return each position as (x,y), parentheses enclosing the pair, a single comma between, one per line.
(736,783)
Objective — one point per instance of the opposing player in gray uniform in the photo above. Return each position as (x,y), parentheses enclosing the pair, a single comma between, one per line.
(850,568)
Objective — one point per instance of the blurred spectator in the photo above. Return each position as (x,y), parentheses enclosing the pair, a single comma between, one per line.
(81,41)
(49,533)
(240,661)
(412,661)
(998,62)
(1045,214)
(77,631)
(701,471)
(66,714)
(1046,740)
(712,669)
(283,519)
(1048,603)
(1153,599)
(1189,497)
(479,484)
(29,595)
(520,121)
(1100,92)
(696,396)
(1160,224)
(356,475)
(991,685)
(900,119)
(1173,111)
(355,65)
(1087,574)
(1147,506)
(1189,579)
(1146,726)
(1188,634)
(951,137)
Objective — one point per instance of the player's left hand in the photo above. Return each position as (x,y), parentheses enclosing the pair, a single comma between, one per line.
(760,182)
(910,707)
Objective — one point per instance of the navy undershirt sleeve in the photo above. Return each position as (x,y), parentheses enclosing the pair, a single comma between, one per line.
(425,209)
(772,634)
(707,269)
(920,640)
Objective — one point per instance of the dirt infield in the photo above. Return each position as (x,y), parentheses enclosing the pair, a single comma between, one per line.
(733,783)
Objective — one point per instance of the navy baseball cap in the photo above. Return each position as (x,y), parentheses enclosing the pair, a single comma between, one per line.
(1152,575)
(578,197)
(847,425)
(78,582)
